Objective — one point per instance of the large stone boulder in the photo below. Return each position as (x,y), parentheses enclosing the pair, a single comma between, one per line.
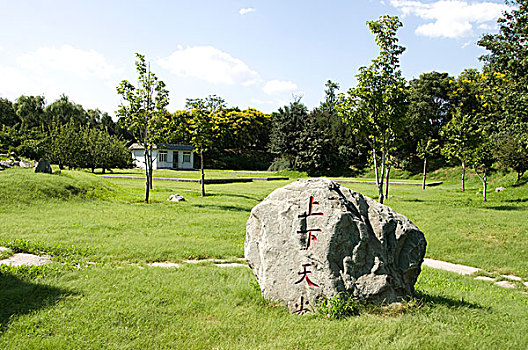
(314,238)
(43,166)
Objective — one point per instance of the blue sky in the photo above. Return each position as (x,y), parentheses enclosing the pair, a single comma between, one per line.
(256,53)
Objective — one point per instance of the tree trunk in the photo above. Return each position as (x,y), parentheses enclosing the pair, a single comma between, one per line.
(202,180)
(147,184)
(376,173)
(381,197)
(463,176)
(424,173)
(484,186)
(150,175)
(387,181)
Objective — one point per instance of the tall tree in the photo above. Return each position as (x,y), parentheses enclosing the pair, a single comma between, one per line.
(8,116)
(468,135)
(144,112)
(287,126)
(202,128)
(376,107)
(507,62)
(30,111)
(63,111)
(428,112)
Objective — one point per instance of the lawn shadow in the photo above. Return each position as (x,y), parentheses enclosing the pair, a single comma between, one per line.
(222,207)
(224,194)
(19,297)
(520,200)
(435,300)
(415,200)
(506,208)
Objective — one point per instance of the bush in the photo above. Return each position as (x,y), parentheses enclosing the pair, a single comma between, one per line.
(279,165)
(339,306)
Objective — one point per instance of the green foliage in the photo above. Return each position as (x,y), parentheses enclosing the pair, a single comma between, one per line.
(511,149)
(144,115)
(63,111)
(4,254)
(30,111)
(8,117)
(339,306)
(376,107)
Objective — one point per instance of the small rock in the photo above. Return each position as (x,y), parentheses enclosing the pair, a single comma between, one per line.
(26,259)
(526,284)
(164,264)
(24,165)
(5,164)
(43,166)
(512,278)
(484,278)
(505,284)
(176,198)
(499,189)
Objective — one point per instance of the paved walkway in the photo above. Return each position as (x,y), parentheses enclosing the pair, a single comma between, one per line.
(505,281)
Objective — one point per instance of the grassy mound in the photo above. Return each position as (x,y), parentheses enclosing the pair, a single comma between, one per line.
(26,186)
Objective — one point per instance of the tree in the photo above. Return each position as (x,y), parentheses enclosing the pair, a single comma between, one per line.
(287,126)
(506,62)
(144,113)
(511,149)
(428,112)
(201,126)
(30,111)
(63,111)
(375,108)
(8,116)
(468,134)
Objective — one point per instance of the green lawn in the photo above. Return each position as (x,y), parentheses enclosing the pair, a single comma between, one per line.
(100,292)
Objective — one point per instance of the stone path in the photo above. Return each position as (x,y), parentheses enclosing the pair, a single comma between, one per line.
(505,281)
(20,259)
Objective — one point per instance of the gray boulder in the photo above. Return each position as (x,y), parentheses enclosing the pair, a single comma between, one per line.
(43,166)
(314,238)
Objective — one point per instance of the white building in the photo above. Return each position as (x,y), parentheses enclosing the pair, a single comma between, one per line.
(165,156)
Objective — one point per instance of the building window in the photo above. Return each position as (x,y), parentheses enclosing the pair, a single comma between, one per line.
(162,156)
(186,157)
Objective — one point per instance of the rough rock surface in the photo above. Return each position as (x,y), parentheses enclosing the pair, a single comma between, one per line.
(43,166)
(176,198)
(314,238)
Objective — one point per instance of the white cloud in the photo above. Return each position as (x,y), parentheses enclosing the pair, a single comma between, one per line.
(466,44)
(451,18)
(247,10)
(278,87)
(209,64)
(85,63)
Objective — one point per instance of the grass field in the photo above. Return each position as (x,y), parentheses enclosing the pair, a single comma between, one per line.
(101,293)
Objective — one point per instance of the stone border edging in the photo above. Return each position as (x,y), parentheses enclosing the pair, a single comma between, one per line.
(207,181)
(430,184)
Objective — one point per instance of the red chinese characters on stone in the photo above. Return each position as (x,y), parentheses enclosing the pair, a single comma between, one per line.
(300,308)
(310,237)
(305,277)
(310,233)
(310,209)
